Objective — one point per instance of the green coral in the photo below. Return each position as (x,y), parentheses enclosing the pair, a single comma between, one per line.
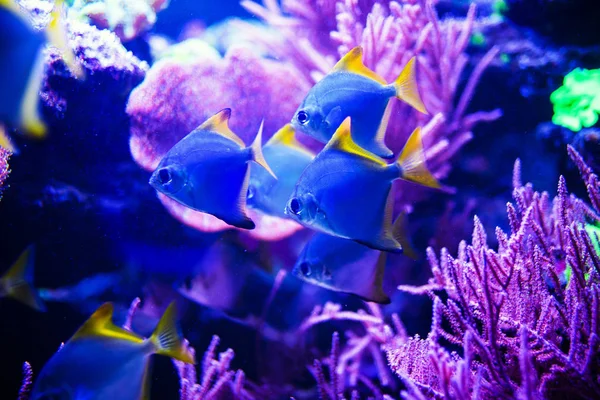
(577,101)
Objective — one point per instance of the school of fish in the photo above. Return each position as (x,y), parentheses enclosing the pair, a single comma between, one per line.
(343,193)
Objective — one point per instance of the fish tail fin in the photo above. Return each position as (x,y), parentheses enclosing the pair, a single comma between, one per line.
(257,154)
(401,235)
(18,281)
(411,162)
(56,32)
(167,340)
(406,87)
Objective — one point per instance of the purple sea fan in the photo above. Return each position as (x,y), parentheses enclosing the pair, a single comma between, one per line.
(4,169)
(526,314)
(390,34)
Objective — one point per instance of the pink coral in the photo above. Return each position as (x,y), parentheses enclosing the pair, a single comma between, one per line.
(4,169)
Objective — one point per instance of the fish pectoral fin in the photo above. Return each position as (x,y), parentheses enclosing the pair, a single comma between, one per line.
(238,217)
(56,32)
(342,141)
(406,87)
(257,154)
(379,146)
(100,324)
(412,163)
(167,340)
(352,62)
(219,124)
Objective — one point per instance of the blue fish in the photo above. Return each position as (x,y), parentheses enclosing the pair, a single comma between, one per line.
(353,90)
(22,64)
(345,266)
(288,158)
(17,281)
(208,171)
(103,361)
(345,191)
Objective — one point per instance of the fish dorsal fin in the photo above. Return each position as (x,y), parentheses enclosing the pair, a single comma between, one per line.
(352,62)
(286,136)
(219,123)
(167,340)
(342,141)
(100,324)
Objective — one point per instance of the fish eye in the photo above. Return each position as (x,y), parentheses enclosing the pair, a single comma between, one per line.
(302,117)
(305,269)
(295,206)
(164,176)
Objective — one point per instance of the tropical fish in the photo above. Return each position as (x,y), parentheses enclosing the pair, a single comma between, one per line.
(17,281)
(345,191)
(21,68)
(104,361)
(353,90)
(208,171)
(345,266)
(288,158)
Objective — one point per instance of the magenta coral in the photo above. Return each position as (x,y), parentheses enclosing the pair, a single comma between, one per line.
(390,34)
(4,168)
(526,314)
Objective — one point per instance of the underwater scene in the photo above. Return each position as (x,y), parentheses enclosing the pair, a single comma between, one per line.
(299,199)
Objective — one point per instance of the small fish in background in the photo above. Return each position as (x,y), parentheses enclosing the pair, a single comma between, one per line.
(17,282)
(345,266)
(208,171)
(353,90)
(288,158)
(22,64)
(104,361)
(346,191)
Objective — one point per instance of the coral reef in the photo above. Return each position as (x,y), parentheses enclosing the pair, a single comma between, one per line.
(526,315)
(128,19)
(577,102)
(4,168)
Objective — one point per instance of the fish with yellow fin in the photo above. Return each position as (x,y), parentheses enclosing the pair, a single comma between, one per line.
(353,90)
(17,282)
(103,361)
(346,190)
(22,64)
(345,266)
(208,171)
(288,158)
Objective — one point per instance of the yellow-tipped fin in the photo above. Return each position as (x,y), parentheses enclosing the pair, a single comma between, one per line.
(219,123)
(342,140)
(56,33)
(167,340)
(100,324)
(412,162)
(352,62)
(10,5)
(30,118)
(17,281)
(286,136)
(406,87)
(257,154)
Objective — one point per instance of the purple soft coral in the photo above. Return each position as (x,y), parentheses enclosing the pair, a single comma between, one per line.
(527,312)
(4,169)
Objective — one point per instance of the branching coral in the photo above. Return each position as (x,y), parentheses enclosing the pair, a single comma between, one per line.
(527,328)
(390,35)
(4,169)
